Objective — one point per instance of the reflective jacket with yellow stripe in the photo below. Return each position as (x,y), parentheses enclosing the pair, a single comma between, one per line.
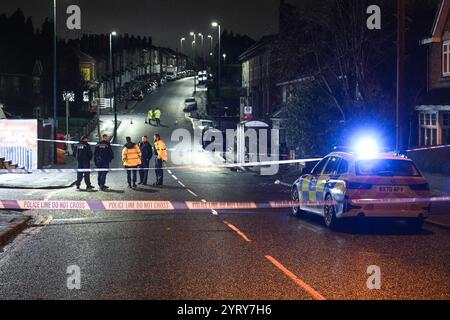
(131,155)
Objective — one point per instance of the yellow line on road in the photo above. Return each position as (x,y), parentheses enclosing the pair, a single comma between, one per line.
(316,295)
(239,232)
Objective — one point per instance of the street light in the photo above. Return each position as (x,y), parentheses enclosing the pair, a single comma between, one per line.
(181,41)
(217,25)
(203,48)
(113,73)
(212,40)
(193,34)
(224,57)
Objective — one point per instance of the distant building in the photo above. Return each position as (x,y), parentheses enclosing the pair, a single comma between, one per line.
(21,90)
(257,78)
(434,108)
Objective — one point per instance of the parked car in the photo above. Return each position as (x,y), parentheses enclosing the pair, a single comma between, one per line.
(190,104)
(137,95)
(205,124)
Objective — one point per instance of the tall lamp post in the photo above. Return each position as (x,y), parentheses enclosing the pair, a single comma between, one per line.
(181,42)
(400,112)
(217,25)
(203,49)
(193,34)
(55,93)
(113,73)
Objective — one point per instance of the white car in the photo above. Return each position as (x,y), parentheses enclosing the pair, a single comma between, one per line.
(205,124)
(345,185)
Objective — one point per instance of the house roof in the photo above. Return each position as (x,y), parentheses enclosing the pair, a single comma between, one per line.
(441,19)
(262,45)
(436,97)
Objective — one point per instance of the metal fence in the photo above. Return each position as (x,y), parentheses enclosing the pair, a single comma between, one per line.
(21,156)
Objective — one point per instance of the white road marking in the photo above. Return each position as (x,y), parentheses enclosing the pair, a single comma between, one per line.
(310,290)
(192,192)
(214,212)
(239,232)
(182,184)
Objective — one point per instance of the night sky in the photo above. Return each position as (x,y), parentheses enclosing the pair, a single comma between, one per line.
(165,20)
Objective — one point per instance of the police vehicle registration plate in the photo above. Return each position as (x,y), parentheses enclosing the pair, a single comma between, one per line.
(391,189)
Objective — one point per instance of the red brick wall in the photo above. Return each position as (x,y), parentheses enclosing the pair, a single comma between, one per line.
(435,78)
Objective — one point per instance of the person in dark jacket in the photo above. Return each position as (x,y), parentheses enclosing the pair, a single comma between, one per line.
(147,155)
(83,154)
(103,156)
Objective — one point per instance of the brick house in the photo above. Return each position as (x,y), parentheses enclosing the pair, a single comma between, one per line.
(434,108)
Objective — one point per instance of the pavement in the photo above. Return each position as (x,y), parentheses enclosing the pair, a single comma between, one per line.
(236,254)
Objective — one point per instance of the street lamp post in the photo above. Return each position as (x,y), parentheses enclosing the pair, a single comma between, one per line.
(193,34)
(181,41)
(113,73)
(217,25)
(203,49)
(55,94)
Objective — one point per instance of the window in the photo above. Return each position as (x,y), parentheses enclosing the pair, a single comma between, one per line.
(429,123)
(446,119)
(318,169)
(446,59)
(332,166)
(386,168)
(343,167)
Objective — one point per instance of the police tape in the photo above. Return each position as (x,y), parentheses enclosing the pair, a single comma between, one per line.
(99,205)
(172,168)
(139,205)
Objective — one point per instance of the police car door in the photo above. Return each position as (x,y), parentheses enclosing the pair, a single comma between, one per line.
(329,173)
(310,186)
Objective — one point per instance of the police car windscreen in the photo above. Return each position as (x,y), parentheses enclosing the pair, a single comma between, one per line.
(386,167)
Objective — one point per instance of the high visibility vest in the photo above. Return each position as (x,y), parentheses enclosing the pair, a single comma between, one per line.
(150,114)
(161,150)
(157,114)
(132,157)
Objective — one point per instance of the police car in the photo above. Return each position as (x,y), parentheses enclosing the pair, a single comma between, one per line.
(347,184)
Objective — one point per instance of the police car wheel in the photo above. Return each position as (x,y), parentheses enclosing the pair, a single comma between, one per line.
(329,212)
(296,211)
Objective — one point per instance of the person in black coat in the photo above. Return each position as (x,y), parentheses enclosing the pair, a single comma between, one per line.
(147,155)
(103,156)
(83,154)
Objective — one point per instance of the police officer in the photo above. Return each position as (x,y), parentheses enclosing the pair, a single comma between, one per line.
(147,155)
(83,154)
(103,156)
(131,156)
(157,116)
(161,157)
(150,116)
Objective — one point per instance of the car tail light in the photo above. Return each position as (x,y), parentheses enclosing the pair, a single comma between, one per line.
(357,185)
(420,187)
